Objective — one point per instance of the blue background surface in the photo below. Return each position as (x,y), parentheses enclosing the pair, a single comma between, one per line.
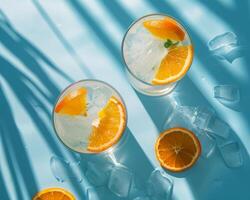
(46,45)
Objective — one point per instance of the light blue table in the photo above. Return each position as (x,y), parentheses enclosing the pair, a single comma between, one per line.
(46,45)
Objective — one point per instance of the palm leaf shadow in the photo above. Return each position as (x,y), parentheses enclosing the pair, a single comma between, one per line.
(28,54)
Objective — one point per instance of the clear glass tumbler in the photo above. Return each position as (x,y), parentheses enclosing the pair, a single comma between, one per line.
(86,113)
(155,42)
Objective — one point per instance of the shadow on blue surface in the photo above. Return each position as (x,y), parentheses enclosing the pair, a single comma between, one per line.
(157,107)
(83,13)
(240,11)
(20,84)
(118,13)
(62,39)
(131,156)
(214,67)
(4,192)
(13,145)
(233,183)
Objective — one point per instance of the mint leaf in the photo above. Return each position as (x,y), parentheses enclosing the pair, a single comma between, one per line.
(168,43)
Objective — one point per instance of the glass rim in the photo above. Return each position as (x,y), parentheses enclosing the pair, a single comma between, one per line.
(123,40)
(97,81)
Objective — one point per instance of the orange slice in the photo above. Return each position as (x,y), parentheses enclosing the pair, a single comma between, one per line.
(54,193)
(166,28)
(74,103)
(110,126)
(177,149)
(174,65)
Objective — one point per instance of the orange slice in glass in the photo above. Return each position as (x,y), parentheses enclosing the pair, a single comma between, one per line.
(110,126)
(74,103)
(54,193)
(174,65)
(177,149)
(166,28)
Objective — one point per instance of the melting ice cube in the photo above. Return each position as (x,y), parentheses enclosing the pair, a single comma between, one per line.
(63,170)
(189,117)
(208,144)
(120,181)
(180,116)
(159,186)
(202,116)
(228,95)
(226,47)
(231,154)
(227,92)
(137,188)
(218,127)
(221,40)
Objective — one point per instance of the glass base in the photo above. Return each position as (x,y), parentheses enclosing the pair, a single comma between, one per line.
(148,89)
(161,92)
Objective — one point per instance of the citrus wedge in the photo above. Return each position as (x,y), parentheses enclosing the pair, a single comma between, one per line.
(110,126)
(54,193)
(177,149)
(174,65)
(166,28)
(74,103)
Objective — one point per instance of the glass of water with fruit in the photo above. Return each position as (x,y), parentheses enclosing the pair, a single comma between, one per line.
(90,117)
(157,52)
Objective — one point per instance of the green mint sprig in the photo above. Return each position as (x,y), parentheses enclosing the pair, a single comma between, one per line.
(170,43)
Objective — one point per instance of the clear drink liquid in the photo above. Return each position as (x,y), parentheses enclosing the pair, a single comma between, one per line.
(143,53)
(74,130)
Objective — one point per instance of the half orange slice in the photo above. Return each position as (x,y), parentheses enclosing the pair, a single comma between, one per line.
(166,28)
(74,103)
(54,193)
(110,126)
(174,65)
(177,149)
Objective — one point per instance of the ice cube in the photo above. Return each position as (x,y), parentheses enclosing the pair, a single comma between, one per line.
(137,188)
(101,96)
(228,95)
(233,52)
(159,186)
(63,170)
(120,181)
(222,40)
(92,194)
(202,116)
(231,154)
(208,144)
(217,127)
(227,92)
(226,47)
(181,116)
(189,117)
(74,131)
(143,53)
